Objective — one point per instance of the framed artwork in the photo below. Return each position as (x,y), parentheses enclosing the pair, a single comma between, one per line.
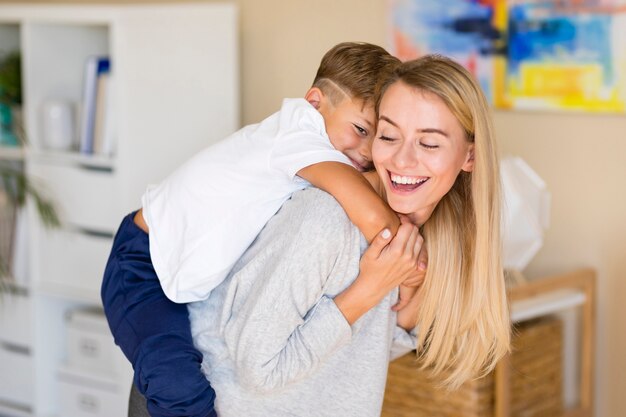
(566,55)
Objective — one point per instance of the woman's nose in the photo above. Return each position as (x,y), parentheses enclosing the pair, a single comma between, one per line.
(406,156)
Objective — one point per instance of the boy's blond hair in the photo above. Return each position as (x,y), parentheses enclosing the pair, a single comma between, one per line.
(354,69)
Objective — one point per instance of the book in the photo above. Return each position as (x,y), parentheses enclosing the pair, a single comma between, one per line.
(103,135)
(109,129)
(95,67)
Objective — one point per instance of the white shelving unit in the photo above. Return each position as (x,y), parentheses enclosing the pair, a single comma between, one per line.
(176,76)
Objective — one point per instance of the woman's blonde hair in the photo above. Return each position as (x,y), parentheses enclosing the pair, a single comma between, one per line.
(464,325)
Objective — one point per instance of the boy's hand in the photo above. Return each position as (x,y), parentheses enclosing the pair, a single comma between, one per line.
(409,286)
(407,316)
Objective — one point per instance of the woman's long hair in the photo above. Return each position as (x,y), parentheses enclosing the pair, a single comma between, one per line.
(463,325)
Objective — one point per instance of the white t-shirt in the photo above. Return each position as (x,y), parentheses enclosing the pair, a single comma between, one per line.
(207,212)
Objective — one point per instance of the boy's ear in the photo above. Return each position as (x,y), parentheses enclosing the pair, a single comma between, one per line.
(468,166)
(314,96)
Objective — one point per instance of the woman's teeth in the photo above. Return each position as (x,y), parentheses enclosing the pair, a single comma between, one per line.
(398,179)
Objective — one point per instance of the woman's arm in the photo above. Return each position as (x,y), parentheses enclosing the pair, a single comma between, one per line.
(364,207)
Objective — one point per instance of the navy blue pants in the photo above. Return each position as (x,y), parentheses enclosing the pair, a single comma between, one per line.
(153,332)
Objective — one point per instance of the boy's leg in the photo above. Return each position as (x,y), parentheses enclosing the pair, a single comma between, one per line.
(153,332)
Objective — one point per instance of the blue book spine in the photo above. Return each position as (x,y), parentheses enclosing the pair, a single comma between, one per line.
(94,66)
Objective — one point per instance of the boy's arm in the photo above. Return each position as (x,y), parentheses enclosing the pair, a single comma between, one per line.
(363,205)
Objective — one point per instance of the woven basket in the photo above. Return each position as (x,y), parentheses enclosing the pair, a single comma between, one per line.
(536,386)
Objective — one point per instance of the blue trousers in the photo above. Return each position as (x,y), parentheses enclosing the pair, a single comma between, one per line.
(153,332)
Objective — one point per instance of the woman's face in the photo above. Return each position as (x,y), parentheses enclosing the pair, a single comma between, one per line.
(419,150)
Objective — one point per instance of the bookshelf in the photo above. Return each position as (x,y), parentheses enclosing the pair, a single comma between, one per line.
(176,89)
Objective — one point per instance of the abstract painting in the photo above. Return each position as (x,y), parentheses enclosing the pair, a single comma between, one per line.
(527,54)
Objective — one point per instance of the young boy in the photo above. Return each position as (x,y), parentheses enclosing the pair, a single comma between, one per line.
(195,225)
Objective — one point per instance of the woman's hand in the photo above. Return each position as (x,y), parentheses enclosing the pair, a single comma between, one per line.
(384,266)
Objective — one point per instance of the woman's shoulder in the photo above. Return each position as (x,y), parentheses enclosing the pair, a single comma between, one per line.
(313,214)
(318,206)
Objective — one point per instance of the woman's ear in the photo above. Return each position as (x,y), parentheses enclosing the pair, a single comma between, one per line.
(314,96)
(468,166)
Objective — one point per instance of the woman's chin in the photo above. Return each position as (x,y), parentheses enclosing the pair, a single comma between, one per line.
(418,214)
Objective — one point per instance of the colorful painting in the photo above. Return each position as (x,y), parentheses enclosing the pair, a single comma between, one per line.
(526,54)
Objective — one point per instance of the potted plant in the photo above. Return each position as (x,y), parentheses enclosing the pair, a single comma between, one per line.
(15,186)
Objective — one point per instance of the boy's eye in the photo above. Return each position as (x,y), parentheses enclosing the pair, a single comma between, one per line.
(360,130)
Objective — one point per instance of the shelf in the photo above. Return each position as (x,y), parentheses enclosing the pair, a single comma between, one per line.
(10,286)
(11,153)
(96,162)
(69,293)
(15,410)
(543,304)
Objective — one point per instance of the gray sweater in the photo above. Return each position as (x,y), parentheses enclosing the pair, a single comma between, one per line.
(273,340)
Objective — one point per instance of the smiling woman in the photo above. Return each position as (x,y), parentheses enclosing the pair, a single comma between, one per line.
(435,153)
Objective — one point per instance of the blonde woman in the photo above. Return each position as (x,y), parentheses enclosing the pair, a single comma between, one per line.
(304,325)
(433,119)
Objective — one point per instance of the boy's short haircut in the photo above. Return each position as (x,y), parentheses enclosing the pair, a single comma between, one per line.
(354,69)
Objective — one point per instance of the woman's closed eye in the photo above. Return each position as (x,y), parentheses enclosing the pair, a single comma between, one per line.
(428,146)
(386,138)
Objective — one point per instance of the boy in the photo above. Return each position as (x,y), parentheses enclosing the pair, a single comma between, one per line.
(194,226)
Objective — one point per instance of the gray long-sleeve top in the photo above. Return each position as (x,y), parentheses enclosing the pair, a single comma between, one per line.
(275,343)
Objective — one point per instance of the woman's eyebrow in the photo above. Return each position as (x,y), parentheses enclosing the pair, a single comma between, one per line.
(388,120)
(433,130)
(425,130)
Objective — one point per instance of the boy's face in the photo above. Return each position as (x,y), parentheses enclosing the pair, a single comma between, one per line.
(351,126)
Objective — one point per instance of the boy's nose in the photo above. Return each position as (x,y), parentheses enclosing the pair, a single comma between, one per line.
(366,151)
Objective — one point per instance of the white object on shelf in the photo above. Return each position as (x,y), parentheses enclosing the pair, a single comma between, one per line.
(58,124)
(525,213)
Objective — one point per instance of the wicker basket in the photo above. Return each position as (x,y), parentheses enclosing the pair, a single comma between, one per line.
(536,370)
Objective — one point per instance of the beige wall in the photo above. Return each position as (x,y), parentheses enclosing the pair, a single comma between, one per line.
(581,157)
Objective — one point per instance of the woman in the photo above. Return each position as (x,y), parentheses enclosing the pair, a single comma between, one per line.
(304,327)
